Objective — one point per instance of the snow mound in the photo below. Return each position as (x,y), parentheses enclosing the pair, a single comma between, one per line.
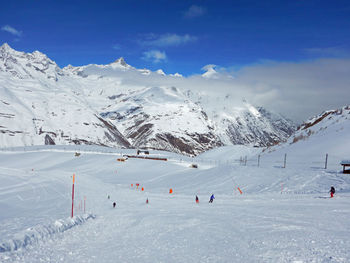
(40,232)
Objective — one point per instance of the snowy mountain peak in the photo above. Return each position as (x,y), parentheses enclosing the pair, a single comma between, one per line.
(120,64)
(120,61)
(5,47)
(210,71)
(23,65)
(176,75)
(160,72)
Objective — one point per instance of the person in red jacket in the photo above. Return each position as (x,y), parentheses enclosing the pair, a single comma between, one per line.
(332,191)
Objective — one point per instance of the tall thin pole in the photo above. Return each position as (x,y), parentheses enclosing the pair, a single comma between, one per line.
(258,160)
(73,194)
(285,160)
(325,165)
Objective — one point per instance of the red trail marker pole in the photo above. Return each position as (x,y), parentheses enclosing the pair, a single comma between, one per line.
(73,194)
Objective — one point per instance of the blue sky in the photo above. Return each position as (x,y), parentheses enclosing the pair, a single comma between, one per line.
(178,36)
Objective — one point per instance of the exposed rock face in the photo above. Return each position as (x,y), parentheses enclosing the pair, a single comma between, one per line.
(49,140)
(265,129)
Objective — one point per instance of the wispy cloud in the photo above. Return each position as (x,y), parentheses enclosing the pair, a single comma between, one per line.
(155,56)
(116,47)
(11,30)
(195,11)
(167,40)
(337,51)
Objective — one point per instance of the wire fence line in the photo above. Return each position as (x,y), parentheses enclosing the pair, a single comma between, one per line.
(329,162)
(325,162)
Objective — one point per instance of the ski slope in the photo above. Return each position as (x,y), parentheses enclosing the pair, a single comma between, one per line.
(283,215)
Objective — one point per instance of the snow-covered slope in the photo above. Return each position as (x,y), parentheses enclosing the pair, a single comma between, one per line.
(119,105)
(282,215)
(327,133)
(33,114)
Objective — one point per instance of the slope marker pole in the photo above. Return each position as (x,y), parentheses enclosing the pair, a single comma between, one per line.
(73,194)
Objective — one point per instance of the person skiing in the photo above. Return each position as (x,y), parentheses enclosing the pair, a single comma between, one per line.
(114,204)
(197,199)
(211,198)
(332,191)
(147,201)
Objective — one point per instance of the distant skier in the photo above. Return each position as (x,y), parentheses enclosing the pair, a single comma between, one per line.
(114,204)
(108,197)
(211,198)
(147,201)
(197,199)
(332,191)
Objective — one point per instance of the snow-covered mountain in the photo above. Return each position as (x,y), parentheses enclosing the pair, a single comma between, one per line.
(326,133)
(119,105)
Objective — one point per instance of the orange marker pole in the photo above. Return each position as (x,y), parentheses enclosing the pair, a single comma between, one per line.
(73,194)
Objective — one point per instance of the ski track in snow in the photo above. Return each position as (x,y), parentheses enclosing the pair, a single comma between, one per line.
(262,225)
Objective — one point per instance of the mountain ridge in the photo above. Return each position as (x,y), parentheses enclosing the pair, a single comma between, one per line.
(123,107)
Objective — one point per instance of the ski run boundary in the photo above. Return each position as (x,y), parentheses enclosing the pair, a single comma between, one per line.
(40,232)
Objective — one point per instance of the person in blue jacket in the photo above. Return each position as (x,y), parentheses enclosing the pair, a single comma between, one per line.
(211,198)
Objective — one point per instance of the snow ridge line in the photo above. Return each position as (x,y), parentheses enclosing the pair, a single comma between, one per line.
(40,232)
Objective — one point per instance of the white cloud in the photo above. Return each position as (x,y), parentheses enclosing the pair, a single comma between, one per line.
(155,56)
(298,90)
(195,11)
(11,30)
(167,40)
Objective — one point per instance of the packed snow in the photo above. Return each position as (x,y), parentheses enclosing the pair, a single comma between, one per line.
(282,215)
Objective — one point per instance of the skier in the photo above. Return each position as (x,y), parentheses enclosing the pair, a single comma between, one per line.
(114,204)
(211,198)
(332,191)
(197,199)
(147,201)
